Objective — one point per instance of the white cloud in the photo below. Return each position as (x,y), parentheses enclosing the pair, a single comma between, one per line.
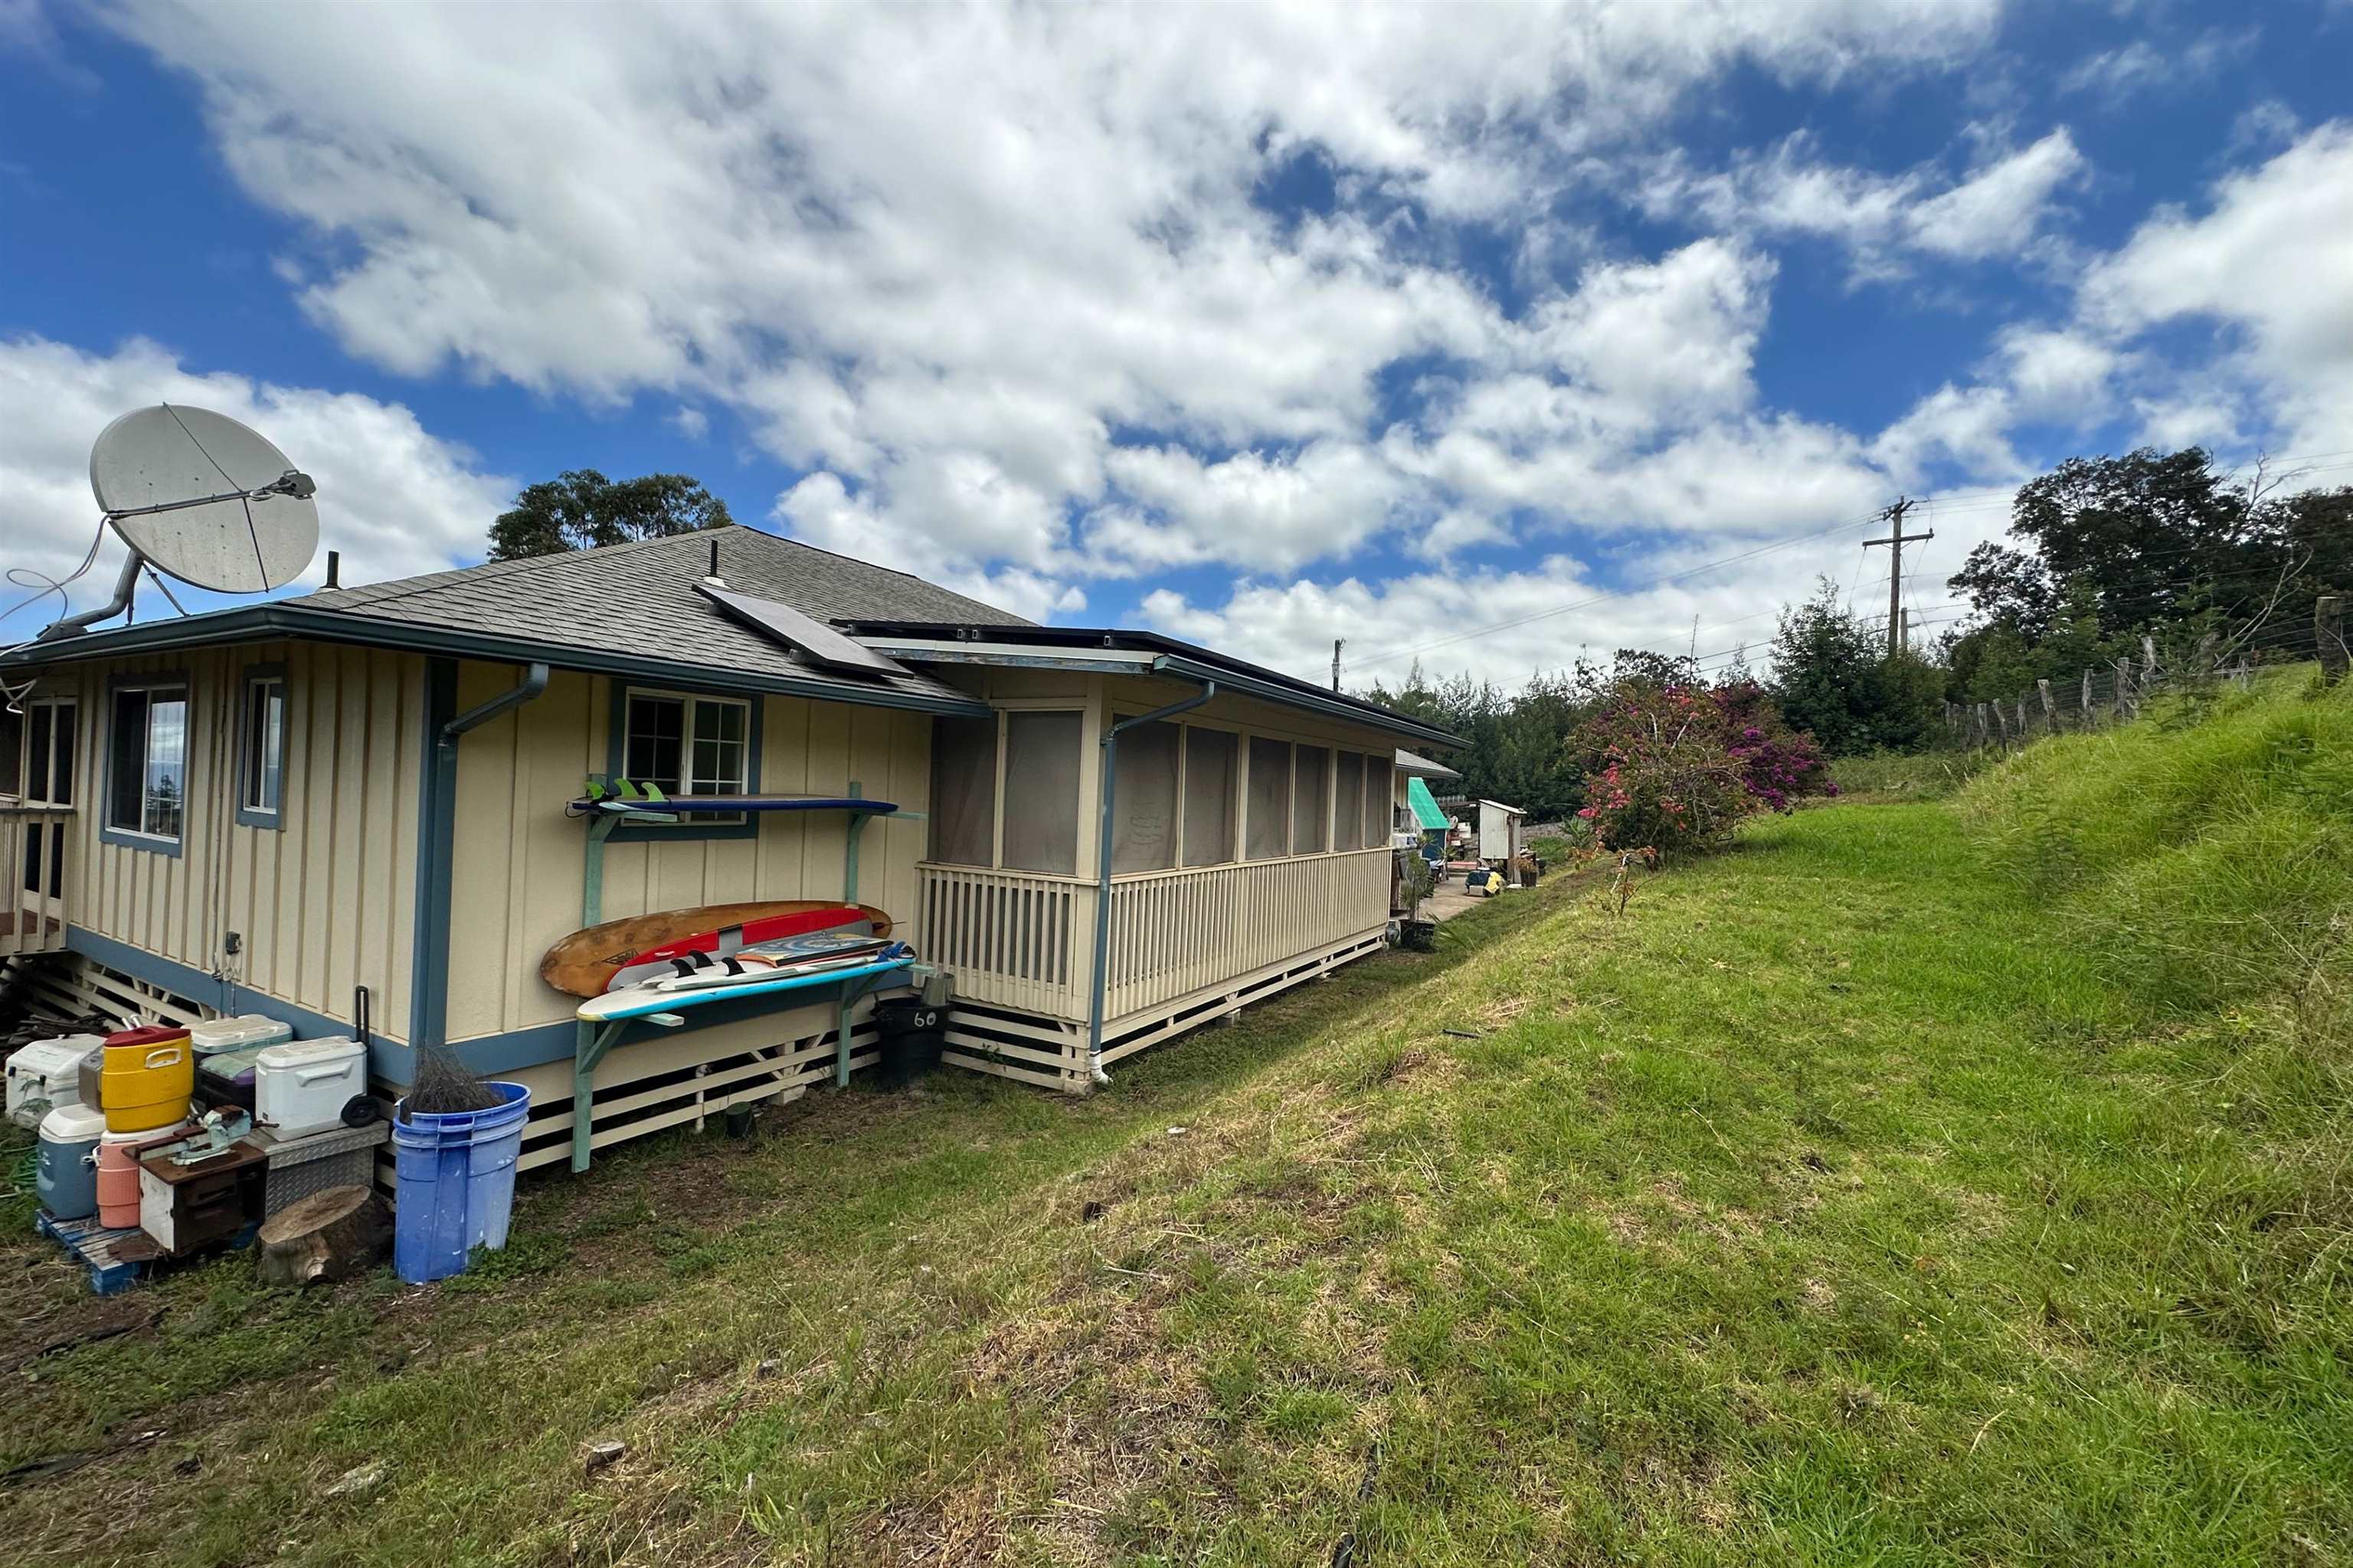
(1998,208)
(391,497)
(2271,263)
(2140,66)
(962,260)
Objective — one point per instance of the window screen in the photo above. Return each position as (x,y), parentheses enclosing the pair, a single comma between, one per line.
(1209,797)
(1310,807)
(1380,792)
(964,790)
(1143,801)
(1041,792)
(1269,799)
(1348,801)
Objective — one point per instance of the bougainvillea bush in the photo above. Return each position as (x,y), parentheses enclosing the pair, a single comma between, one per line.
(1673,767)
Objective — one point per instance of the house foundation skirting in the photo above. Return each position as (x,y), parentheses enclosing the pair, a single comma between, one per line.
(1051,1052)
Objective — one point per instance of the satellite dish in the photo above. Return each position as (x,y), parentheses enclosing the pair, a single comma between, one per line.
(205,498)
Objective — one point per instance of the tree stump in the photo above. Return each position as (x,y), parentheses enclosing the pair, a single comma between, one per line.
(327,1235)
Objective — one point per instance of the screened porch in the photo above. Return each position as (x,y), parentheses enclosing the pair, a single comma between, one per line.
(1234,850)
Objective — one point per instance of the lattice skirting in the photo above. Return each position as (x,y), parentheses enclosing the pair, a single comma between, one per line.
(1050,1053)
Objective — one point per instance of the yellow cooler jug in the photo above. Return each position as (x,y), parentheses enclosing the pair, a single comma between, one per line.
(146,1078)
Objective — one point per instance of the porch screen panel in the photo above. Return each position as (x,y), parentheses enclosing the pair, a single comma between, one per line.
(1143,809)
(1269,799)
(964,790)
(1348,803)
(1310,807)
(1380,788)
(1208,795)
(1041,792)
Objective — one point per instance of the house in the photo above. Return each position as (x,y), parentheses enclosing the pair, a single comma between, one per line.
(1417,811)
(348,810)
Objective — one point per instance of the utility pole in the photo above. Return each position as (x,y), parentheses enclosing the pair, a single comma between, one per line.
(1337,643)
(1895,541)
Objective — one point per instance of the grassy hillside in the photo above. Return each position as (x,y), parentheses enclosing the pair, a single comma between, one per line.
(1849,1200)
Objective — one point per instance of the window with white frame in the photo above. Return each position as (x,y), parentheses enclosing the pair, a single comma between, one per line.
(685,744)
(262,786)
(147,761)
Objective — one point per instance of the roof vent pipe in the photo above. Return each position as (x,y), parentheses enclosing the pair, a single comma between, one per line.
(334,569)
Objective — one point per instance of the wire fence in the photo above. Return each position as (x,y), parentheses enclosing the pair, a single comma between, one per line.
(2120,691)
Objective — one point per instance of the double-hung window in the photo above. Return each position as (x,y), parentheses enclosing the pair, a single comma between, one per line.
(147,762)
(687,745)
(262,742)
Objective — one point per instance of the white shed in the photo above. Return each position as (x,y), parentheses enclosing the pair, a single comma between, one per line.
(1499,832)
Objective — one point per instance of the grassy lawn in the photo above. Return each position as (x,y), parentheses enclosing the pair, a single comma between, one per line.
(1827,1207)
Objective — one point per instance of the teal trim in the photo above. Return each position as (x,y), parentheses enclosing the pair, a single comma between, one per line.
(126,838)
(1424,805)
(203,990)
(356,629)
(615,763)
(428,975)
(274,818)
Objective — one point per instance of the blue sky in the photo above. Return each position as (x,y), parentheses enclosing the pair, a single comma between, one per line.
(1263,327)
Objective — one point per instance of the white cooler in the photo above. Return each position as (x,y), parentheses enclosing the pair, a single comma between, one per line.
(302,1087)
(46,1074)
(242,1033)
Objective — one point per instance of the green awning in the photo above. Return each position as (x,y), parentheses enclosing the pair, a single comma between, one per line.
(1424,804)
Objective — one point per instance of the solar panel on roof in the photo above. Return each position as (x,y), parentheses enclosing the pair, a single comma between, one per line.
(795,630)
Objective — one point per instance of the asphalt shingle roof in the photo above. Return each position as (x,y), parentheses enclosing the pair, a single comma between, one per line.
(641,599)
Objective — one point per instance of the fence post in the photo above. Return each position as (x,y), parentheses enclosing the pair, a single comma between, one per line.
(2148,661)
(2050,714)
(2328,632)
(2086,705)
(2022,719)
(2123,688)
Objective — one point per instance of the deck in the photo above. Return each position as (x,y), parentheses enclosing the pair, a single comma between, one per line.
(33,872)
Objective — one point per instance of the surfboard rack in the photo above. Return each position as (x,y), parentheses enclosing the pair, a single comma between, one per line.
(593,1038)
(605,804)
(610,803)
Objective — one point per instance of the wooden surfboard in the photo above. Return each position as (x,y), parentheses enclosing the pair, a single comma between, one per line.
(581,963)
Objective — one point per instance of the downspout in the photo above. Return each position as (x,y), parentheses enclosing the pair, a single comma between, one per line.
(1105,799)
(428,1001)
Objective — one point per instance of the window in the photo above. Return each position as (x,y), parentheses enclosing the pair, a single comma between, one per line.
(1269,799)
(1379,790)
(964,790)
(1041,792)
(1209,796)
(685,745)
(1311,803)
(1144,799)
(1348,803)
(261,743)
(147,761)
(37,752)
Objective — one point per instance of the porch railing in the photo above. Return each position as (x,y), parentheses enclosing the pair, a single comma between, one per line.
(33,911)
(1012,937)
(1024,939)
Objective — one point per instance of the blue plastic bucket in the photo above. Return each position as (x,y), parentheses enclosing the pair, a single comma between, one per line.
(456,1182)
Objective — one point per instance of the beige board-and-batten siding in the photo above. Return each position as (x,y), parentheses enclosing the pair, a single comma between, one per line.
(321,905)
(516,870)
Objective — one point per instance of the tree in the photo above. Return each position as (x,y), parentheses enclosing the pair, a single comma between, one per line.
(580,509)
(1834,678)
